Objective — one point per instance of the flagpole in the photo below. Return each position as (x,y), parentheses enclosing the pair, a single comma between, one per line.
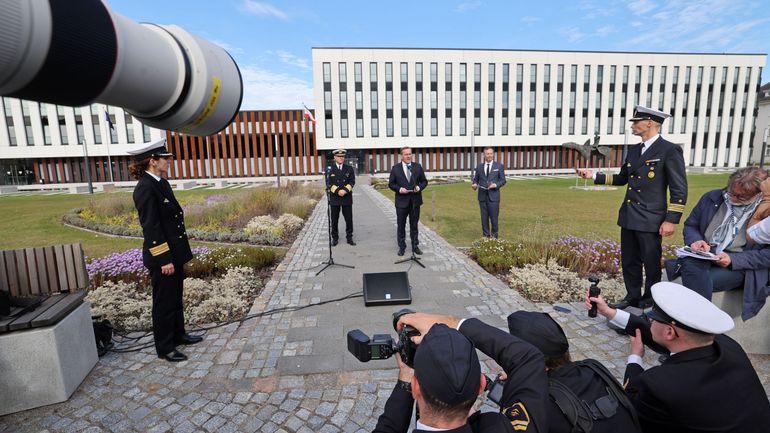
(108,138)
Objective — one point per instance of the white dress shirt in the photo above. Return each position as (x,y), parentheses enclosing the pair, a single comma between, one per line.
(153,176)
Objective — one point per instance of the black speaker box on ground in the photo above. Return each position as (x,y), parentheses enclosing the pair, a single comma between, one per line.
(387,288)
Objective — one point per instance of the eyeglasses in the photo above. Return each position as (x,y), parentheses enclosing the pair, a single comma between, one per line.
(742,198)
(650,319)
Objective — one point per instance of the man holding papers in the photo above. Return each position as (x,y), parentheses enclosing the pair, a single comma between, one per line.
(407,180)
(718,225)
(488,178)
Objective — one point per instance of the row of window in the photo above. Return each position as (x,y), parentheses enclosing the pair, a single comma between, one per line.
(50,112)
(618,85)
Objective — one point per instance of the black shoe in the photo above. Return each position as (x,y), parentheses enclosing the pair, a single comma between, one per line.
(645,302)
(401,251)
(189,339)
(335,242)
(350,242)
(174,356)
(417,250)
(622,305)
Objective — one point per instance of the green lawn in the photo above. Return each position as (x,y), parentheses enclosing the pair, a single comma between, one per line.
(541,209)
(31,221)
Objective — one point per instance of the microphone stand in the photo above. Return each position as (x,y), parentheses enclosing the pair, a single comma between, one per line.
(411,206)
(330,262)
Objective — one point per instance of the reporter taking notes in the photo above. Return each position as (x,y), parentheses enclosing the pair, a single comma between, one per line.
(80,52)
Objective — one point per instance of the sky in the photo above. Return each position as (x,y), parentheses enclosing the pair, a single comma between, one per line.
(271,40)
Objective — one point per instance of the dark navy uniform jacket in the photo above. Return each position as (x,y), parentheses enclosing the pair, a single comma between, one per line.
(525,395)
(707,389)
(336,179)
(496,176)
(648,175)
(162,221)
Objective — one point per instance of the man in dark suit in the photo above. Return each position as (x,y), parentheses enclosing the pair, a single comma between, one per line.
(707,384)
(651,168)
(340,181)
(447,379)
(166,248)
(407,180)
(488,178)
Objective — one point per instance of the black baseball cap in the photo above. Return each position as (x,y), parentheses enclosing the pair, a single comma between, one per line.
(447,367)
(539,330)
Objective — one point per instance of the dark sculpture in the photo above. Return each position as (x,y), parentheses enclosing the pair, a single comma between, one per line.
(588,150)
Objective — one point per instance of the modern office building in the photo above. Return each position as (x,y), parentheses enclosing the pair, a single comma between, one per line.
(762,125)
(444,102)
(44,143)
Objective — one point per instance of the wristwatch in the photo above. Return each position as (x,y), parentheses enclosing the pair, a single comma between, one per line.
(406,386)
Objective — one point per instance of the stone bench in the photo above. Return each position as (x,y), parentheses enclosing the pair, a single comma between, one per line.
(78,189)
(220,183)
(186,185)
(47,344)
(106,187)
(753,334)
(8,189)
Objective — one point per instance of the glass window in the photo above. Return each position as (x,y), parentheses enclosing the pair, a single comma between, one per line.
(404,72)
(343,73)
(404,100)
(357,72)
(373,72)
(404,127)
(448,126)
(329,128)
(343,100)
(327,67)
(389,72)
(463,72)
(344,128)
(359,127)
(375,127)
(433,126)
(418,100)
(434,72)
(418,72)
(373,99)
(448,99)
(448,73)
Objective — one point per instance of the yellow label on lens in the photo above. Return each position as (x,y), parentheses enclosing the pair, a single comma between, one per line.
(216,87)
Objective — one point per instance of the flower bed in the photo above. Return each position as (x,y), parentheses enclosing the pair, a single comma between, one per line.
(555,271)
(220,284)
(217,217)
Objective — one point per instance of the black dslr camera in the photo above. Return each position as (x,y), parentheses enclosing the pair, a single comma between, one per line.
(382,346)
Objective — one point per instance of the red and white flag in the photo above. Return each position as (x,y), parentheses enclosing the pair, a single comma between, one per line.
(308,115)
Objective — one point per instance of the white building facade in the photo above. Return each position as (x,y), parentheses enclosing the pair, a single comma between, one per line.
(445,102)
(43,143)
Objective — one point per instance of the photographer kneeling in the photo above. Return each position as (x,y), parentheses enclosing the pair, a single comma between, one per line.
(447,379)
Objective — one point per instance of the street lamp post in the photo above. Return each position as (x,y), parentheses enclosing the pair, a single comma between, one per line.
(88,169)
(764,148)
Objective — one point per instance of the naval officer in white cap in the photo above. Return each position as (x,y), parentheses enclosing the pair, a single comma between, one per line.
(166,248)
(651,169)
(707,384)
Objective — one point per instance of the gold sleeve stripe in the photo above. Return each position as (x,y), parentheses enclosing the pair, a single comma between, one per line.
(334,188)
(349,188)
(160,249)
(676,208)
(608,179)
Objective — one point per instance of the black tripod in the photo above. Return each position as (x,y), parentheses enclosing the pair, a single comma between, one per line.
(330,262)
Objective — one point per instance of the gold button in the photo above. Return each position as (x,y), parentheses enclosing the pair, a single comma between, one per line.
(180,237)
(638,190)
(629,201)
(153,242)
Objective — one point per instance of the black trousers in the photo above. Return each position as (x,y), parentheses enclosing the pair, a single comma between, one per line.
(489,213)
(347,213)
(413,212)
(640,250)
(167,309)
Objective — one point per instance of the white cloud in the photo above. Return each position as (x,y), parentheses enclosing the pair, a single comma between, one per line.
(641,7)
(291,59)
(605,31)
(468,6)
(259,8)
(266,90)
(697,25)
(573,34)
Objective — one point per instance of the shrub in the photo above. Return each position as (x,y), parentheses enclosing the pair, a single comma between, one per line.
(494,255)
(550,282)
(123,304)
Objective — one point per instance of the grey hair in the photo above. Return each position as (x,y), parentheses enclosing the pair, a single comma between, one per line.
(747,178)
